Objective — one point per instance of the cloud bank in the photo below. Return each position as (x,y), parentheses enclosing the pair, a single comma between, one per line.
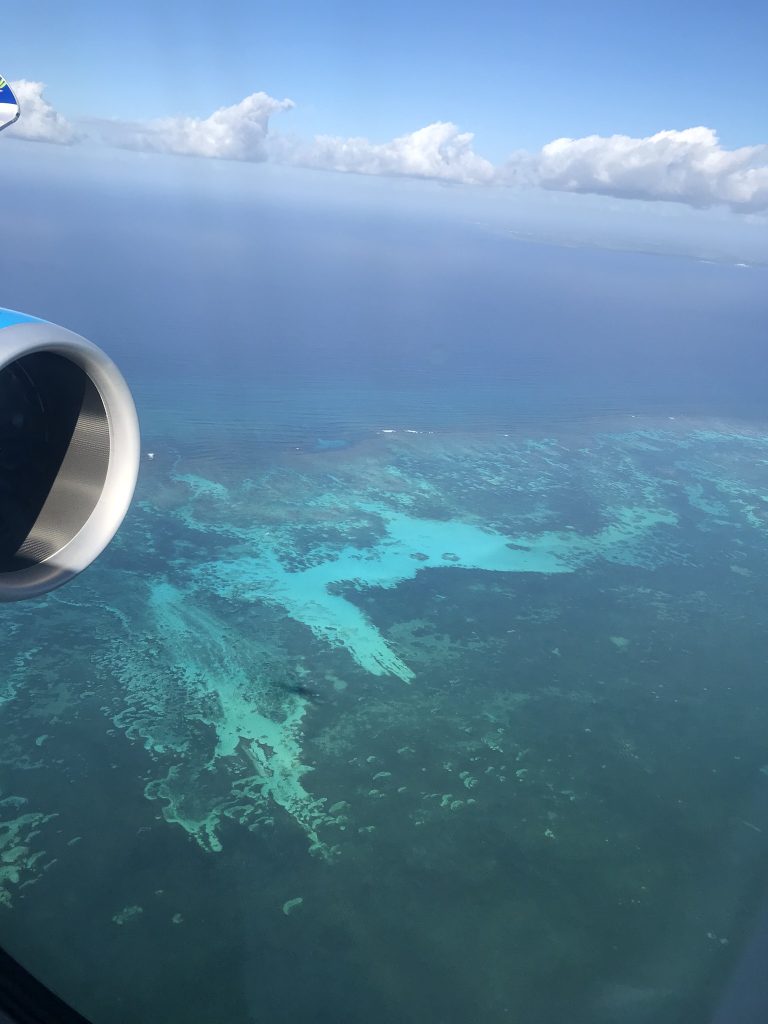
(439,151)
(688,166)
(39,122)
(238,132)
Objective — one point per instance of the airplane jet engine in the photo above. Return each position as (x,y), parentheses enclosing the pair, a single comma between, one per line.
(69,454)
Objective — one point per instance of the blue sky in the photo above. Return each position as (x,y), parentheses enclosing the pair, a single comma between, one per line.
(517,75)
(661,107)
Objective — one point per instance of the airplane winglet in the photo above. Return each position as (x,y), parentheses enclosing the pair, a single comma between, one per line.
(9,105)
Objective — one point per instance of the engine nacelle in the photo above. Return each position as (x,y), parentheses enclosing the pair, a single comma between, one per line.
(69,454)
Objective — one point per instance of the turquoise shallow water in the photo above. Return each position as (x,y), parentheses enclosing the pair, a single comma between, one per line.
(379,720)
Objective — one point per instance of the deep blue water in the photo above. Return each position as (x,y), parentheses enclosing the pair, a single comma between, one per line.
(206,287)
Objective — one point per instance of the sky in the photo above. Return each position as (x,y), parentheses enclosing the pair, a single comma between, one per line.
(515,74)
(656,104)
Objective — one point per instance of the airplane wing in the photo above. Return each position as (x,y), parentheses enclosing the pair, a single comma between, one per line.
(9,105)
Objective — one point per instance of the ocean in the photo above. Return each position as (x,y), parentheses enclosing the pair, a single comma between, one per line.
(425,680)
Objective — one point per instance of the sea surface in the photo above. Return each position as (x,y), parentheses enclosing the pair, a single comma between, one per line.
(422,726)
(426,679)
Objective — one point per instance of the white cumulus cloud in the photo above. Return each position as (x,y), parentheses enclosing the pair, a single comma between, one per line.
(39,122)
(688,166)
(238,132)
(437,151)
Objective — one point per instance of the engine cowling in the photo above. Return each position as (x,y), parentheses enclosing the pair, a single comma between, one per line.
(69,454)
